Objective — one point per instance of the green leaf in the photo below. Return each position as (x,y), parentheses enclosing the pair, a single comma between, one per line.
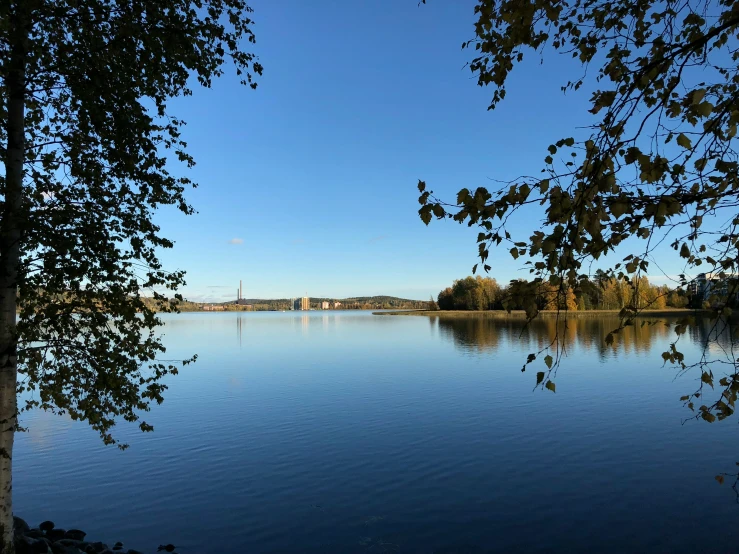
(539,377)
(514,253)
(619,208)
(720,479)
(698,95)
(425,214)
(704,109)
(421,185)
(683,141)
(548,360)
(550,385)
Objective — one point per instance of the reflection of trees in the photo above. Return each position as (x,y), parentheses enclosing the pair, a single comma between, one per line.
(471,333)
(589,333)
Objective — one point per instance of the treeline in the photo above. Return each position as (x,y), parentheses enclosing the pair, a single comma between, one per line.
(602,292)
(280,304)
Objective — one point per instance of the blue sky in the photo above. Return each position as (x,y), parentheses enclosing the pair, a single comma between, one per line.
(314,174)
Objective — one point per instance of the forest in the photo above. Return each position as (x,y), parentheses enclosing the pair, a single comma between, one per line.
(602,292)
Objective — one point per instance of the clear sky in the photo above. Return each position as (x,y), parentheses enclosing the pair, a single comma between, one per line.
(308,184)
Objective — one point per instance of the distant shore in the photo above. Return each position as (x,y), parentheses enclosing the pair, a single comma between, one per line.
(520,314)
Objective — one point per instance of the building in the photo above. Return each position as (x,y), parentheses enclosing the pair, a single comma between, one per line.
(337,305)
(706,285)
(325,305)
(302,303)
(212,308)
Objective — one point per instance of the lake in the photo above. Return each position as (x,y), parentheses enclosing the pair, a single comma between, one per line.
(352,432)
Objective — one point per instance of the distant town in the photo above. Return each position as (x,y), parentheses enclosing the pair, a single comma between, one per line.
(303,303)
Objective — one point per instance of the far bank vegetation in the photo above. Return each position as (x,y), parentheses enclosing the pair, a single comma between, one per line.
(599,293)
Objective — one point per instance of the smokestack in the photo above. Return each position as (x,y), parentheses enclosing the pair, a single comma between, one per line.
(241,290)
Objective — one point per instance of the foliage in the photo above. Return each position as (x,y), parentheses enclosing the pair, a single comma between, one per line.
(470,293)
(98,146)
(603,293)
(658,164)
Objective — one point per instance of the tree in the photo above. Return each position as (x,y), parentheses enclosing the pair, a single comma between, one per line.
(555,298)
(445,299)
(90,151)
(677,300)
(658,163)
(490,291)
(468,294)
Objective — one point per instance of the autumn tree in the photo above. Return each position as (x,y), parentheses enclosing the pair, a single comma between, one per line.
(658,164)
(90,150)
(445,300)
(556,298)
(470,293)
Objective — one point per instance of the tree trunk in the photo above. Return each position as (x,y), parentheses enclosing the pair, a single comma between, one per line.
(10,239)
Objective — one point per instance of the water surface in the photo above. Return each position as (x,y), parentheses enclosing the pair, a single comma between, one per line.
(348,432)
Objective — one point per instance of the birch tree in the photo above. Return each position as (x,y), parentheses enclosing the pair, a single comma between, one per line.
(90,150)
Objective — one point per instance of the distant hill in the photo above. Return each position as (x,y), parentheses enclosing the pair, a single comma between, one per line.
(279,304)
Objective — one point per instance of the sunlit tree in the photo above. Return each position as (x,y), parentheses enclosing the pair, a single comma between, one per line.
(658,165)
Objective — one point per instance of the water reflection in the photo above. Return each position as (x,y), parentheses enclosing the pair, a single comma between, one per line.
(347,432)
(485,334)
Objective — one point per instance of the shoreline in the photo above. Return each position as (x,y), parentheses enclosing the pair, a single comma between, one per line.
(521,315)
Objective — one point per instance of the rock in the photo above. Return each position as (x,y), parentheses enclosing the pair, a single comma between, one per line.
(132,551)
(75,534)
(27,545)
(57,548)
(46,526)
(118,546)
(98,546)
(71,542)
(34,534)
(56,534)
(20,527)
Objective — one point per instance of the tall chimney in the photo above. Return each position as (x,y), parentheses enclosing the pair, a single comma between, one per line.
(241,290)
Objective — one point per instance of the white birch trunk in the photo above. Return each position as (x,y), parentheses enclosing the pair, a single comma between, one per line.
(10,238)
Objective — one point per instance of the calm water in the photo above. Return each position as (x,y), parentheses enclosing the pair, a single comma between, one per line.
(347,432)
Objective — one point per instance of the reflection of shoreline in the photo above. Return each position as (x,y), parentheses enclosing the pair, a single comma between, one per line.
(480,334)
